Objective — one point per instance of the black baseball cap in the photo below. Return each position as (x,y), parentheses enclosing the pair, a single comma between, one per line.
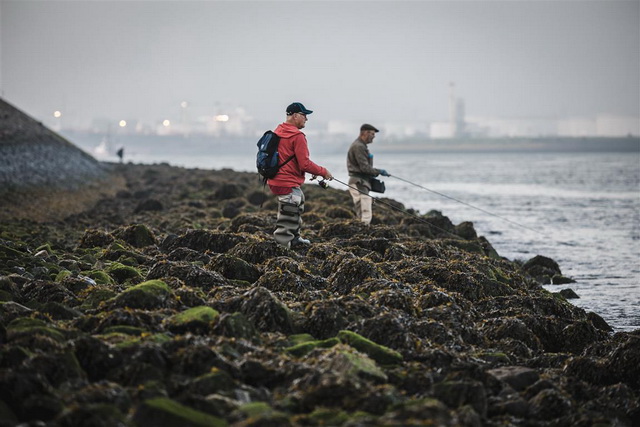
(367,126)
(297,107)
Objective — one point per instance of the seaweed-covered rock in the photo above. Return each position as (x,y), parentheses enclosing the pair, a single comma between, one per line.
(196,319)
(137,235)
(265,311)
(542,269)
(188,255)
(95,414)
(379,353)
(147,295)
(259,252)
(43,291)
(163,412)
(466,230)
(458,393)
(351,273)
(205,240)
(518,377)
(121,273)
(192,275)
(95,238)
(236,325)
(549,404)
(234,268)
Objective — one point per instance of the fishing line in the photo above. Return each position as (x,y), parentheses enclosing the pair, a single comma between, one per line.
(467,204)
(378,200)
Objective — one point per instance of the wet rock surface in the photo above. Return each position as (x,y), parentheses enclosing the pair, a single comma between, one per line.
(170,304)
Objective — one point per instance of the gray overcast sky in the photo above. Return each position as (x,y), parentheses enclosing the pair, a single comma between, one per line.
(354,60)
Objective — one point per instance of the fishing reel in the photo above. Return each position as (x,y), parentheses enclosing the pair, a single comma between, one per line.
(321,182)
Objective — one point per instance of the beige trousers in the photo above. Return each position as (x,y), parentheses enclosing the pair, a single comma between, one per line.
(361,199)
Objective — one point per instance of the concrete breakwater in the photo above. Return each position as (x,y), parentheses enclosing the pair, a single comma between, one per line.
(32,155)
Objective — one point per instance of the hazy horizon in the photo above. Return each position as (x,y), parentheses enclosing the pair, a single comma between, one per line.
(363,61)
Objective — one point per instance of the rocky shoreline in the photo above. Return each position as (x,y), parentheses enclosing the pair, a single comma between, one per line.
(167,303)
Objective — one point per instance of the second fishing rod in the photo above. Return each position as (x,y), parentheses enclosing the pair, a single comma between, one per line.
(445,196)
(465,203)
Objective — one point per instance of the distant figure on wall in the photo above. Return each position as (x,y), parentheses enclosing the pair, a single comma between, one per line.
(120,153)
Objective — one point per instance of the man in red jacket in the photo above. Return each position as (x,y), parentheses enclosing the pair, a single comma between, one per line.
(286,184)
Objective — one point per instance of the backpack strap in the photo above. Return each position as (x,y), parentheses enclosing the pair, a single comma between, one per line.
(287,161)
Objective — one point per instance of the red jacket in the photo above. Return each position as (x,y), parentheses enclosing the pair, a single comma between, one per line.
(293,142)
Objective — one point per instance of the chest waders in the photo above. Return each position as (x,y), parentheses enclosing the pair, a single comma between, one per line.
(289,219)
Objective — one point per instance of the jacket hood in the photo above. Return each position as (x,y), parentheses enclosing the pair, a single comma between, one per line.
(287,130)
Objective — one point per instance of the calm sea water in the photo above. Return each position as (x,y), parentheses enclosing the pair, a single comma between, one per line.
(581,209)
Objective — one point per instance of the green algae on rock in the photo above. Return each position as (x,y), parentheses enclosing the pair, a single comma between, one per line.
(146,295)
(193,319)
(163,412)
(379,353)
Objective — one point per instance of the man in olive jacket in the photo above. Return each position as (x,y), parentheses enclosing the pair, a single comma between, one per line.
(361,170)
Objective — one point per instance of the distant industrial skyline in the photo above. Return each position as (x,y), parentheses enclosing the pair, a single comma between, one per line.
(351,62)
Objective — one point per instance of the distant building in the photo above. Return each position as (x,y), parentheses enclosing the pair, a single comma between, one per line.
(440,130)
(576,127)
(456,126)
(608,125)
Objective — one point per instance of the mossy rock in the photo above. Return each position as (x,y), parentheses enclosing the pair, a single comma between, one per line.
(7,252)
(58,311)
(63,274)
(194,319)
(45,247)
(95,239)
(296,339)
(124,329)
(100,277)
(92,414)
(28,326)
(433,410)
(237,325)
(465,245)
(260,413)
(235,268)
(216,381)
(121,272)
(164,412)
(123,340)
(137,235)
(459,393)
(494,358)
(95,296)
(146,295)
(327,417)
(304,348)
(381,354)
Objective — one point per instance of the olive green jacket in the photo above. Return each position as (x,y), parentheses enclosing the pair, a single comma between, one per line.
(360,161)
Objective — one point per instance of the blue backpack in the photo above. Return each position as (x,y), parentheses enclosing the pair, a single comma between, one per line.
(268,158)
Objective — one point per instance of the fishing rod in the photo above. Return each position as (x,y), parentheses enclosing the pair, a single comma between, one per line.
(323,184)
(466,204)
